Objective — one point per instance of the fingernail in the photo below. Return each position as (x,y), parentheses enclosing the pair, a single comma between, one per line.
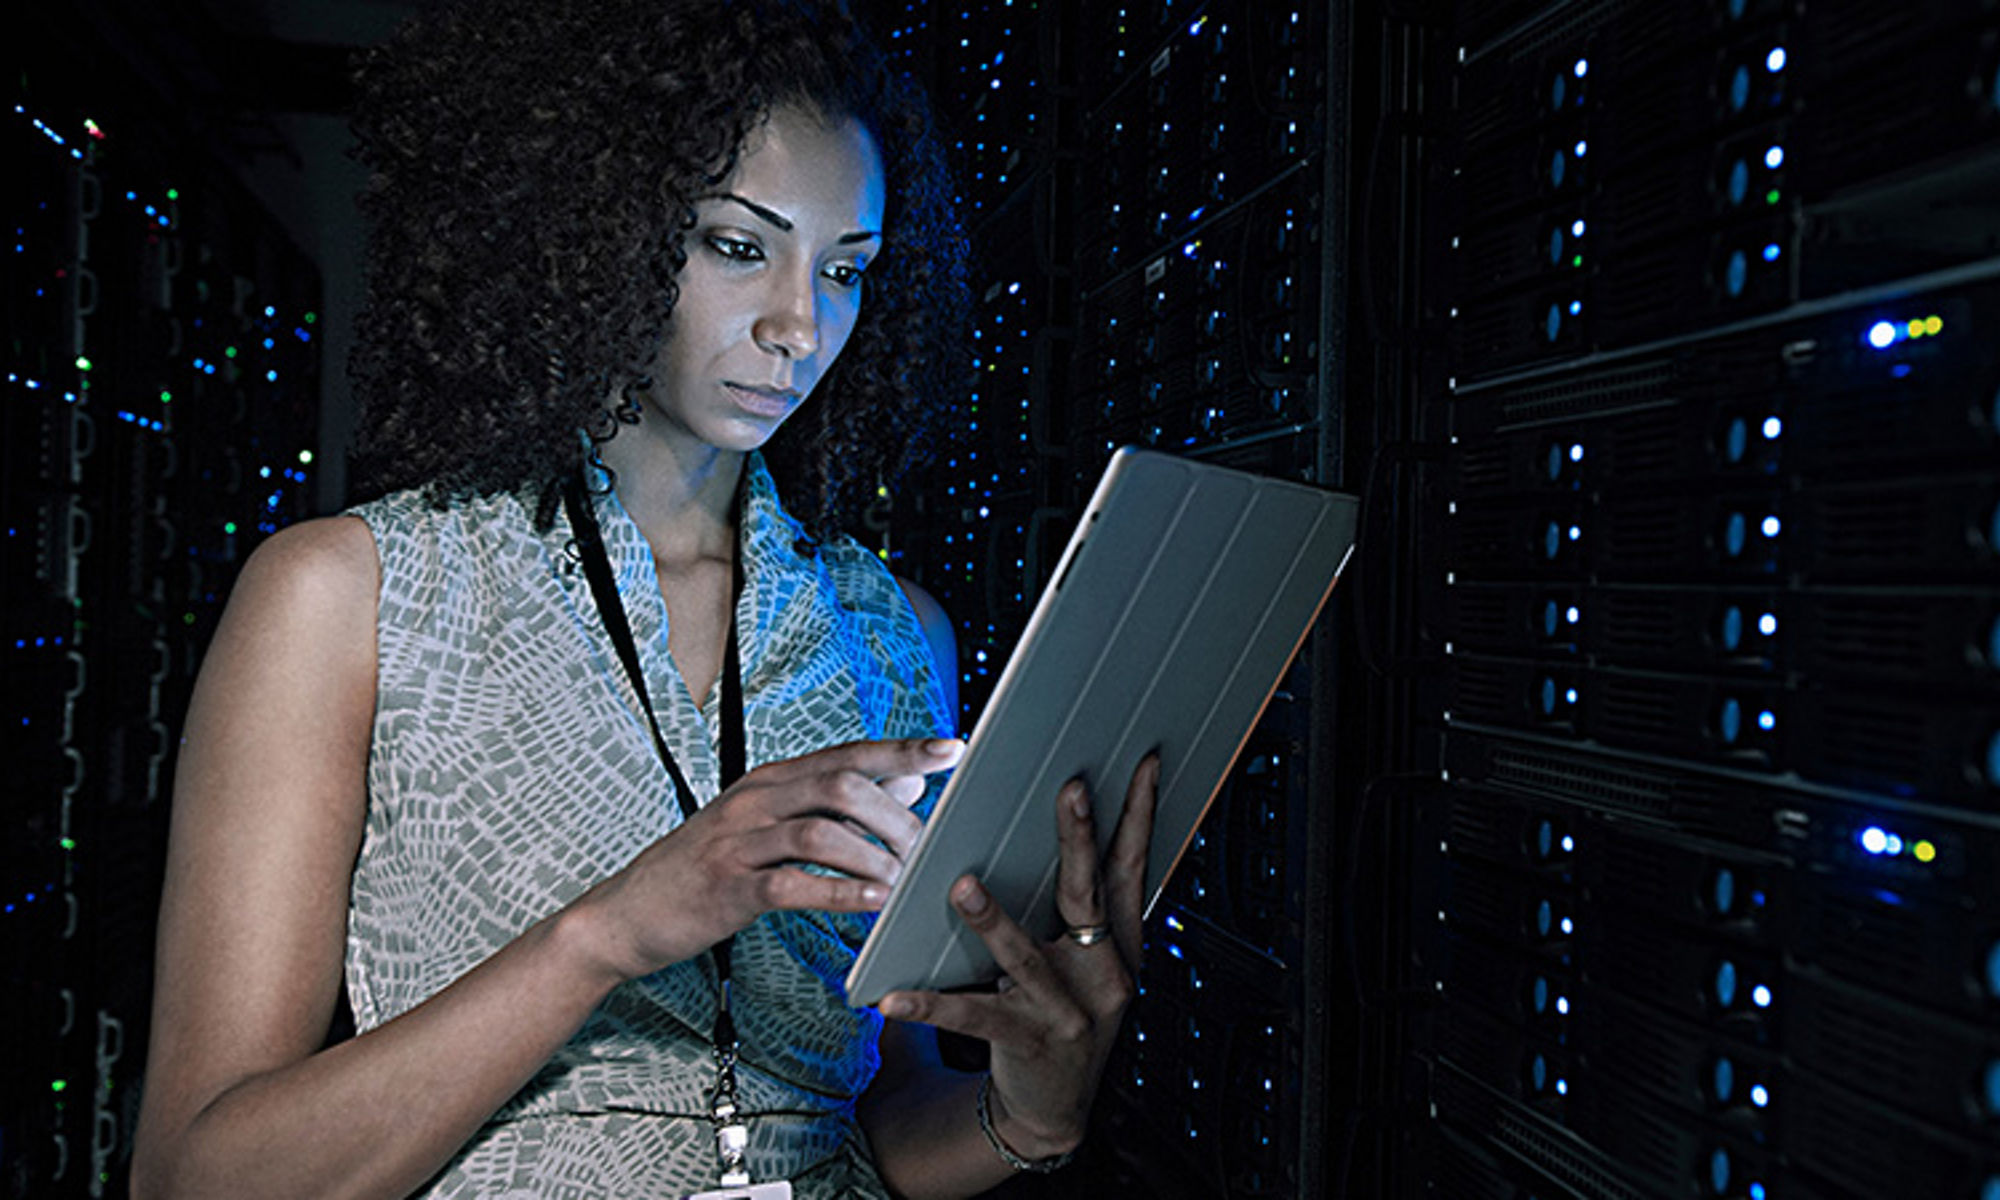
(896,1006)
(942,745)
(971,898)
(874,895)
(1079,803)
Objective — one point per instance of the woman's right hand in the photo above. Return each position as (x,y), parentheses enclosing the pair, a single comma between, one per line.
(743,854)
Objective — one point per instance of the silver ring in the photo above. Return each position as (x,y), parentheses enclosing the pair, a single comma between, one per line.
(1087,935)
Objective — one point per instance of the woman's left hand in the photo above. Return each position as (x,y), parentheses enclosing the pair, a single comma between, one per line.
(1055,1017)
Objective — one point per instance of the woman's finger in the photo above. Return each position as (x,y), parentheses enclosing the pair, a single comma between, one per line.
(1017,954)
(1077,897)
(1125,865)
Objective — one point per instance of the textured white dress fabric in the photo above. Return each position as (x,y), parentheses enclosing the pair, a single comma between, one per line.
(511,768)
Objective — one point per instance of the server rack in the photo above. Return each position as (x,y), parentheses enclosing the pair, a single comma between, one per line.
(1152,197)
(1707,587)
(161,407)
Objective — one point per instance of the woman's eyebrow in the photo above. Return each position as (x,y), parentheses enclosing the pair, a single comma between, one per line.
(784,223)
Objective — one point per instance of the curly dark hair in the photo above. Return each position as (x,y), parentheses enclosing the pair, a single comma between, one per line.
(532,171)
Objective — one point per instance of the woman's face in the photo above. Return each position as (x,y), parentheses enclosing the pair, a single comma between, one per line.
(772,285)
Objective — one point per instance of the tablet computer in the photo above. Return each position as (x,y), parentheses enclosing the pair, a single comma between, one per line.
(1168,622)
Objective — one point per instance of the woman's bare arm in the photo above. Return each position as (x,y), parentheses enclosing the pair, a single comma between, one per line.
(269,803)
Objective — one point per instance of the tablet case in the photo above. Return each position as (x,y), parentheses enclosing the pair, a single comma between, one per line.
(1171,616)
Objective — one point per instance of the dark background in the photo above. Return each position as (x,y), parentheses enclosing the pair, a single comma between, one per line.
(1628,827)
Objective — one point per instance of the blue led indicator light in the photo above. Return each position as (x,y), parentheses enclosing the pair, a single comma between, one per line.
(1538,1072)
(1772,428)
(1550,612)
(1732,628)
(1756,1192)
(1718,1171)
(1576,452)
(1723,1081)
(1575,614)
(1725,984)
(1760,996)
(1558,167)
(1555,246)
(1736,440)
(1767,720)
(1555,463)
(1991,1189)
(1770,527)
(1739,182)
(1575,532)
(1736,276)
(1993,1086)
(1570,695)
(1575,307)
(1874,839)
(1539,994)
(1760,1096)
(1882,334)
(1548,696)
(1553,326)
(1552,540)
(1771,252)
(1774,157)
(1739,89)
(1723,891)
(1562,1087)
(1582,67)
(1544,918)
(1545,838)
(1576,228)
(1730,721)
(1993,759)
(1736,531)
(1774,62)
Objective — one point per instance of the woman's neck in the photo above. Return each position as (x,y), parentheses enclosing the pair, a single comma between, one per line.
(680,493)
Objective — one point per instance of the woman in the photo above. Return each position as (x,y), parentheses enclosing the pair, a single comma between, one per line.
(619,258)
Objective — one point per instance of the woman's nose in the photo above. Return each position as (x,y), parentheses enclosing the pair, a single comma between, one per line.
(789,323)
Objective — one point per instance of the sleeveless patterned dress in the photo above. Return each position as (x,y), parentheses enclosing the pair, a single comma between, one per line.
(511,769)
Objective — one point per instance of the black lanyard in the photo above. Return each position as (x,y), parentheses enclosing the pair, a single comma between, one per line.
(731,1133)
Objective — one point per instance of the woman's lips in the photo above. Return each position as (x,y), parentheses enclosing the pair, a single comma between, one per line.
(763,402)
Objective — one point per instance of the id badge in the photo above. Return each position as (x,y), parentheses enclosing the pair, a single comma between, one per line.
(781,1190)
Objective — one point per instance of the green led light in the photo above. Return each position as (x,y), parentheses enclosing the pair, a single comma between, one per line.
(187,618)
(229,527)
(229,353)
(173,193)
(311,317)
(82,363)
(57,1085)
(1577,261)
(1771,197)
(166,397)
(69,843)
(305,456)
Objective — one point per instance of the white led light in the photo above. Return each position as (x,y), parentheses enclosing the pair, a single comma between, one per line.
(1760,996)
(1774,62)
(1774,157)
(1772,428)
(1767,624)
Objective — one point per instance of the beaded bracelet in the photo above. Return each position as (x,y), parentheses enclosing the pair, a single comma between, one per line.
(1041,1166)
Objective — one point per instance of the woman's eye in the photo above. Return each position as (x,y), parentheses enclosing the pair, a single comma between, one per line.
(735,249)
(847,275)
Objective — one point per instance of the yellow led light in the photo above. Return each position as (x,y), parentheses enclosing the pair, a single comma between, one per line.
(1933,325)
(1916,329)
(1924,851)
